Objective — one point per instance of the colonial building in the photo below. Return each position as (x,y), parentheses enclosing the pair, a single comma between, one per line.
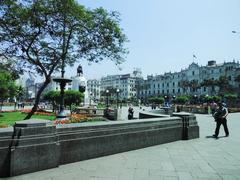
(194,80)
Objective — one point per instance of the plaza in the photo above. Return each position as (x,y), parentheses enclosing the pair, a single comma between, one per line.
(60,122)
(203,158)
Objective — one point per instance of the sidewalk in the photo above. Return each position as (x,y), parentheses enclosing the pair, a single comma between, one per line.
(200,159)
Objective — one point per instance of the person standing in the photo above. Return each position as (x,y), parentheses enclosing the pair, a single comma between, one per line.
(130,112)
(221,119)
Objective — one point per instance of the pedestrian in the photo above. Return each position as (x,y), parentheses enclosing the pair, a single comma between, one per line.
(130,112)
(213,106)
(23,105)
(220,117)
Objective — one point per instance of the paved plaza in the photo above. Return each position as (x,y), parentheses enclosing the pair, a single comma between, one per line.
(203,158)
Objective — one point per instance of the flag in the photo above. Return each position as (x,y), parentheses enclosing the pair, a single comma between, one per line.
(194,56)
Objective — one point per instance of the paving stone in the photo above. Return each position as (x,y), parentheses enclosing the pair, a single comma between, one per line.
(197,159)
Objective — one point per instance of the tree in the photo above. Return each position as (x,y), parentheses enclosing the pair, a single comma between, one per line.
(224,85)
(9,65)
(8,87)
(209,83)
(47,35)
(181,99)
(73,97)
(53,97)
(184,84)
(156,100)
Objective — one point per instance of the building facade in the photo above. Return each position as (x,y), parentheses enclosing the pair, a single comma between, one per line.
(194,80)
(94,89)
(190,81)
(126,84)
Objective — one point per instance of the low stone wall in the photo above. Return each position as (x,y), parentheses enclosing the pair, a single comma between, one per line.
(31,148)
(152,114)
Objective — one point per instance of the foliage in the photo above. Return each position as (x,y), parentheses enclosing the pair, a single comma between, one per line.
(204,99)
(192,85)
(10,66)
(181,99)
(8,87)
(231,96)
(46,35)
(73,97)
(156,100)
(78,118)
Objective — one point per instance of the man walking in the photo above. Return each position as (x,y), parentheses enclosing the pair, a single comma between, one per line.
(220,118)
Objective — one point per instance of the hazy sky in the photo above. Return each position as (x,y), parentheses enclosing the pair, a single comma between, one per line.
(164,34)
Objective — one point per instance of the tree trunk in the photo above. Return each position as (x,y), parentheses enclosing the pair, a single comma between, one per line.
(35,106)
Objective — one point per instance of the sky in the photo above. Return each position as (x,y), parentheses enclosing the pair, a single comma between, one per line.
(164,34)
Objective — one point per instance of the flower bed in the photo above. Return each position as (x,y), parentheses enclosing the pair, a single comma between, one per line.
(78,118)
(3,126)
(39,112)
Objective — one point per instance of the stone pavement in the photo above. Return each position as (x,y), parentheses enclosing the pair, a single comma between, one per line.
(198,159)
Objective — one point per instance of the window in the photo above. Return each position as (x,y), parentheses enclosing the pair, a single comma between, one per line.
(193,73)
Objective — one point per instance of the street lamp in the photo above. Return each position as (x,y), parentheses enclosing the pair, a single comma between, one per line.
(195,99)
(117,96)
(107,93)
(90,98)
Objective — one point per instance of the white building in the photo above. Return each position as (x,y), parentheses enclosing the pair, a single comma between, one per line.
(189,81)
(94,89)
(126,83)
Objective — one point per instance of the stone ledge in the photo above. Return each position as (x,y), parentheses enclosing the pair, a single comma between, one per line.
(60,145)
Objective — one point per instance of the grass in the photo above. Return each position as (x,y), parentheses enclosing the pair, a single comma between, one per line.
(9,118)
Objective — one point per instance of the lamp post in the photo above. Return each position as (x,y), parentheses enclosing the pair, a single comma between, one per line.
(195,99)
(166,101)
(117,96)
(107,93)
(90,98)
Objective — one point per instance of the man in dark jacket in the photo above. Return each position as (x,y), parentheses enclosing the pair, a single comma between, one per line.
(220,118)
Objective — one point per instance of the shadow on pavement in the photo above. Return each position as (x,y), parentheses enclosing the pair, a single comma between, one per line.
(215,137)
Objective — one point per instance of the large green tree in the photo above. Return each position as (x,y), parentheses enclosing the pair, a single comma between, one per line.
(8,87)
(47,35)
